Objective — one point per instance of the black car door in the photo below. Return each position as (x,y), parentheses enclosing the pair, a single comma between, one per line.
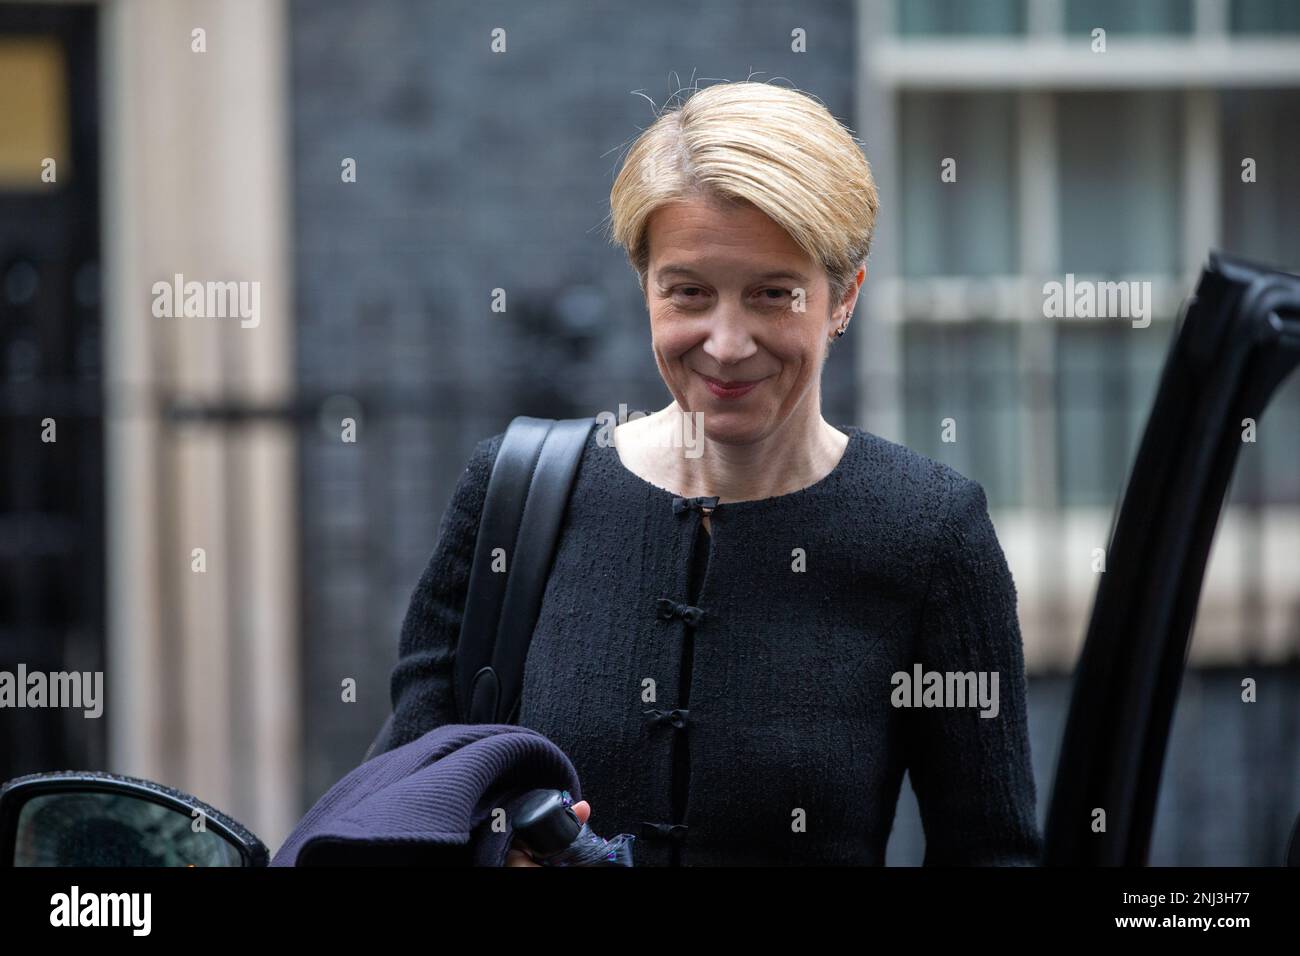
(1238,339)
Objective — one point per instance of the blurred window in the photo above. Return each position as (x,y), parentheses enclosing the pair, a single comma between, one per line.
(966,371)
(1107,373)
(1261,219)
(1128,16)
(1268,469)
(1264,16)
(34,108)
(965,17)
(966,227)
(1120,182)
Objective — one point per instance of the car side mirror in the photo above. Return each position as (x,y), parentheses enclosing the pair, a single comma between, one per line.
(88,818)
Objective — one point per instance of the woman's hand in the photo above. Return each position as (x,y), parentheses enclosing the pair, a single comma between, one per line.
(517,856)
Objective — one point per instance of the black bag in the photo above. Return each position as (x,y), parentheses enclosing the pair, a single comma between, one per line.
(526,497)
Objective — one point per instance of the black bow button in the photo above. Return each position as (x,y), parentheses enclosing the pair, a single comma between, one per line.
(668,609)
(704,504)
(676,717)
(674,832)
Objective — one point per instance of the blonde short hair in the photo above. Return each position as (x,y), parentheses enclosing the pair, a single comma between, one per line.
(777,148)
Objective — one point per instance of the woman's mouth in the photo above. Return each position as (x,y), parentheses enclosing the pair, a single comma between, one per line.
(729,389)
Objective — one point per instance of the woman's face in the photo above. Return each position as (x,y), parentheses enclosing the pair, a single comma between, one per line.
(722,289)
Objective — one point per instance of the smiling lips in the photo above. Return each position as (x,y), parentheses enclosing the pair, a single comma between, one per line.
(728,389)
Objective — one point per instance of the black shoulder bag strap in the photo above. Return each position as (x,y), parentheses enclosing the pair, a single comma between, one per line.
(526,498)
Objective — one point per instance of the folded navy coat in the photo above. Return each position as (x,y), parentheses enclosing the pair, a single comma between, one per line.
(431,801)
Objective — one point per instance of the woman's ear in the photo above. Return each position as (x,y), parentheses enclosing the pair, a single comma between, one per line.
(848,304)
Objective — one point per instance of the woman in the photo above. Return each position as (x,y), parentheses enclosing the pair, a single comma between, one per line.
(734,637)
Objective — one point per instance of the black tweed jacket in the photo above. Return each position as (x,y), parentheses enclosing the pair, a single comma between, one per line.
(757,714)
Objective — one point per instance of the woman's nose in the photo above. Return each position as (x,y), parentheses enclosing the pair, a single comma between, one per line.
(729,339)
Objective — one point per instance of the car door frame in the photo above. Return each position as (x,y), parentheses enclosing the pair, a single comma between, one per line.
(1238,339)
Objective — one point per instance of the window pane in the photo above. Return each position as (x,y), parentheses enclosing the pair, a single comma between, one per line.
(1268,469)
(34,104)
(1121,182)
(919,17)
(1261,220)
(1128,16)
(964,227)
(1265,16)
(1107,374)
(966,372)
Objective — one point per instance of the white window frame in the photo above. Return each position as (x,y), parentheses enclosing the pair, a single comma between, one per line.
(1041,64)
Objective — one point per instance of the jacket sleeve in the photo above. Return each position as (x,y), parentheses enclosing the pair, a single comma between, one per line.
(422,689)
(972,774)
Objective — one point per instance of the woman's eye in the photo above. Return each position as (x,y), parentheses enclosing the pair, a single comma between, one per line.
(695,293)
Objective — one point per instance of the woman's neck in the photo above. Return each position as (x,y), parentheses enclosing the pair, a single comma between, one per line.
(798,454)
